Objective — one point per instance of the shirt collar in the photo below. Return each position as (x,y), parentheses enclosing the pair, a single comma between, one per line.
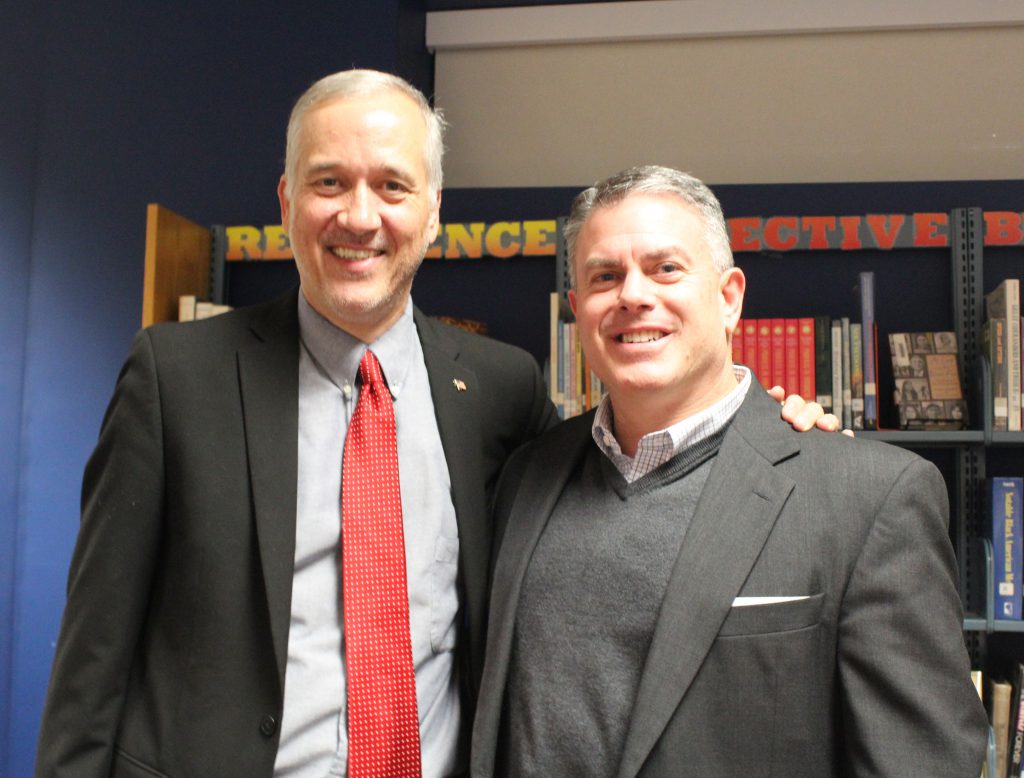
(338,353)
(659,446)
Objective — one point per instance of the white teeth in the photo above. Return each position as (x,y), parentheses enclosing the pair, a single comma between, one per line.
(344,253)
(640,337)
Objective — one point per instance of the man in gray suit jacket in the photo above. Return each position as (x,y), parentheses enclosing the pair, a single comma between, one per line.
(685,587)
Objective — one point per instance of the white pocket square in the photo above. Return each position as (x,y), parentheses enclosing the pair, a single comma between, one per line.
(741,602)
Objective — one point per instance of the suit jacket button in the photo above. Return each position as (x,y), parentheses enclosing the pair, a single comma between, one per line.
(268,725)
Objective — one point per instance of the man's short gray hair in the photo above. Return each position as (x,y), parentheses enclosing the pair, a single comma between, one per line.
(652,179)
(365,83)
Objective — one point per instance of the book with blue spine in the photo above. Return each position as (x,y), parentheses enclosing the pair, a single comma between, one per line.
(1004,499)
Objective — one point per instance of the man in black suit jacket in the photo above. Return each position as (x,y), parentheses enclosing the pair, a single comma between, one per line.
(685,587)
(181,640)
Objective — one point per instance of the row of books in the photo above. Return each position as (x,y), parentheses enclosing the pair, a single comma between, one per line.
(572,385)
(816,357)
(1001,346)
(831,359)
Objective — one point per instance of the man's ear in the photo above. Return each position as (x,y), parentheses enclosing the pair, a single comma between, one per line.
(282,197)
(572,301)
(434,225)
(731,286)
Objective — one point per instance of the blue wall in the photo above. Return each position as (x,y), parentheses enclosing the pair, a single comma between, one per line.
(108,106)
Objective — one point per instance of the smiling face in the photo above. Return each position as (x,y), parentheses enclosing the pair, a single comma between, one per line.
(655,318)
(360,213)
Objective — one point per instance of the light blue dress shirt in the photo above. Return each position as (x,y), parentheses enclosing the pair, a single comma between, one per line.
(314,740)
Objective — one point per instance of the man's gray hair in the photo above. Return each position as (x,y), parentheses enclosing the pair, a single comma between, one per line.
(652,179)
(366,83)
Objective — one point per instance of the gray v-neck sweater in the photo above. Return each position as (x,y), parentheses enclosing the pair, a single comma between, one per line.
(588,607)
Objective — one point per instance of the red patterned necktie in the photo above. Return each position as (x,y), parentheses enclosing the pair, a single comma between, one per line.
(383,728)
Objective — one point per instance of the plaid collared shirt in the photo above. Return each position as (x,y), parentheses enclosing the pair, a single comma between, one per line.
(656,448)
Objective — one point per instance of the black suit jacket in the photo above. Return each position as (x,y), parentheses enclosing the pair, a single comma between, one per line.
(173,646)
(864,673)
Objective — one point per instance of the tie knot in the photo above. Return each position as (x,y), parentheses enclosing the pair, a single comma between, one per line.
(369,370)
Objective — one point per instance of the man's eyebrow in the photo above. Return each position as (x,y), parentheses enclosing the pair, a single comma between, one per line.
(336,167)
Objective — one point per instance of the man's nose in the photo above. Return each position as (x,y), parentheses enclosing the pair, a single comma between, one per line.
(361,213)
(636,290)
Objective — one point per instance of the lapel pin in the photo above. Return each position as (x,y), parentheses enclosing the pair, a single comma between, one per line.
(459,385)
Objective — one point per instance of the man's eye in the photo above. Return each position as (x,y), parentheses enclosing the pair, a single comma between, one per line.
(328,183)
(604,278)
(668,267)
(394,187)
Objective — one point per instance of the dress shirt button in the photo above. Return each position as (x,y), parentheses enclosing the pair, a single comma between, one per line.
(268,725)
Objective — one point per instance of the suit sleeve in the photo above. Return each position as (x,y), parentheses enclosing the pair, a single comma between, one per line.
(109,579)
(907,704)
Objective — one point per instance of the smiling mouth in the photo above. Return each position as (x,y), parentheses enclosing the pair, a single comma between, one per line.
(646,336)
(344,253)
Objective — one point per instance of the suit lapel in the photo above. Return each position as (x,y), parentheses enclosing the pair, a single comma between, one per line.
(736,512)
(455,392)
(268,373)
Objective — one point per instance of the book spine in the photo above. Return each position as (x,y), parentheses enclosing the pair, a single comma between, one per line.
(792,382)
(870,339)
(778,374)
(856,376)
(737,343)
(806,358)
(1013,352)
(996,337)
(764,352)
(823,361)
(1001,692)
(1004,496)
(750,345)
(837,368)
(847,391)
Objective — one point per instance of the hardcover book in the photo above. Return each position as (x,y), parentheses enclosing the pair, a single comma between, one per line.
(1003,303)
(1003,499)
(929,392)
(870,338)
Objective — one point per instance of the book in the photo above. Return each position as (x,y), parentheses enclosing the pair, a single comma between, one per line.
(999,715)
(750,344)
(763,370)
(554,351)
(737,343)
(187,307)
(929,392)
(823,362)
(792,378)
(847,417)
(856,377)
(1003,503)
(1003,303)
(993,346)
(806,359)
(778,371)
(837,369)
(1015,744)
(206,309)
(870,349)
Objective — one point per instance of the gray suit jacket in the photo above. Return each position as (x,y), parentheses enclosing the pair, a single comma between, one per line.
(867,674)
(174,642)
